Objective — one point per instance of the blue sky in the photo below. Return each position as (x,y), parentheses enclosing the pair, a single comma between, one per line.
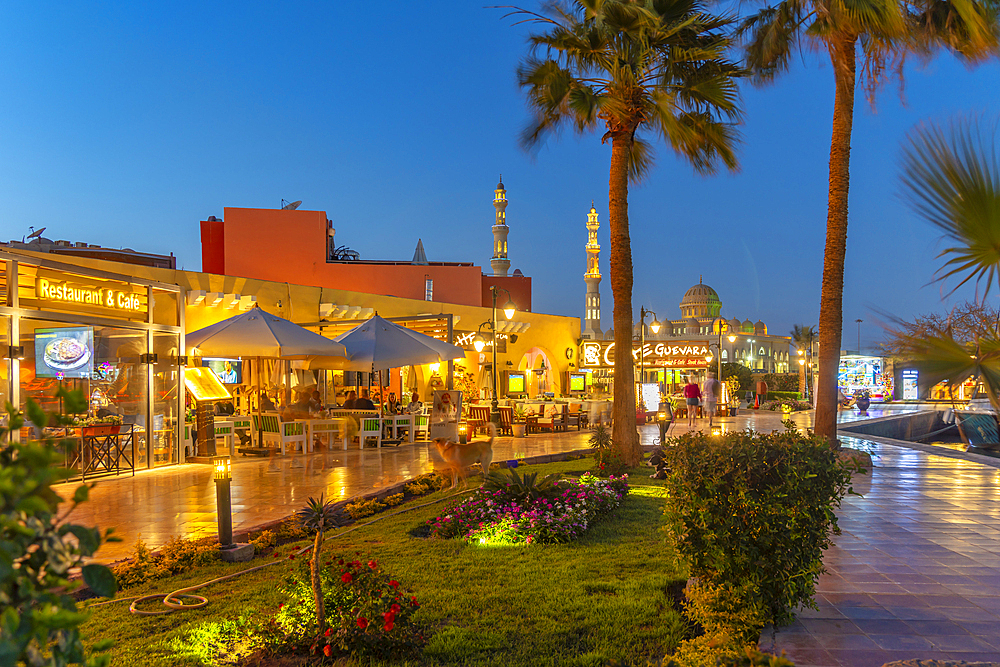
(124,124)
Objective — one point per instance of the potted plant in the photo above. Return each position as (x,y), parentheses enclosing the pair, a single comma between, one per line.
(518,426)
(862,400)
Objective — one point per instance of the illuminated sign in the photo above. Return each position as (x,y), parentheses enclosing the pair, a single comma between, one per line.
(683,354)
(466,340)
(87,295)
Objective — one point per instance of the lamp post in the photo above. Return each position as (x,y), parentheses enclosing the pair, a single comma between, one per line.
(655,327)
(479,343)
(859,334)
(223,501)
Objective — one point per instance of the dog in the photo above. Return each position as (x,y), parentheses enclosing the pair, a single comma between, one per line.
(458,458)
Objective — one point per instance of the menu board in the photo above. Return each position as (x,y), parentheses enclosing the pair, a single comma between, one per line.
(66,352)
(204,385)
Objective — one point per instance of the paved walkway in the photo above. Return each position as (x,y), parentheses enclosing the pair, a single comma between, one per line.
(916,572)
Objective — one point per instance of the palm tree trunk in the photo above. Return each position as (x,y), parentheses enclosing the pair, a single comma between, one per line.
(623,409)
(831,313)
(317,584)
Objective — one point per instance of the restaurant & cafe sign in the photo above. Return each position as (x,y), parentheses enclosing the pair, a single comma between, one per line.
(679,354)
(59,291)
(466,341)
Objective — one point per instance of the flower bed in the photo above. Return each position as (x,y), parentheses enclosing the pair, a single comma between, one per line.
(561,514)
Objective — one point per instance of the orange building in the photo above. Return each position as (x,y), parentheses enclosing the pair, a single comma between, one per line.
(299,247)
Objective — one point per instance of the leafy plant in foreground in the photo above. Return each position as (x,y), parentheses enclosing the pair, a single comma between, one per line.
(39,622)
(751,513)
(607,457)
(523,488)
(317,516)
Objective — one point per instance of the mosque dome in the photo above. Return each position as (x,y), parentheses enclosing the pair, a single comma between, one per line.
(735,326)
(692,326)
(748,326)
(759,328)
(700,301)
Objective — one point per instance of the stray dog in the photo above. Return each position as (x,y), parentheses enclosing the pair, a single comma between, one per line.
(458,458)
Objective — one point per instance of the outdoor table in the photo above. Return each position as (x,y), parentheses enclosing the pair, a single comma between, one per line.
(322,427)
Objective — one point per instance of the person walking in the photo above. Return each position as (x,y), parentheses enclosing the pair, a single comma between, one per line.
(691,396)
(711,390)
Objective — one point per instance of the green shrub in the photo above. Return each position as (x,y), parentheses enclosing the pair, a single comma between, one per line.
(176,556)
(428,483)
(264,541)
(364,508)
(607,457)
(778,395)
(39,619)
(394,500)
(777,381)
(752,513)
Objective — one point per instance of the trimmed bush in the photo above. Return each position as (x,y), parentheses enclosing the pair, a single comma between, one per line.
(778,395)
(750,515)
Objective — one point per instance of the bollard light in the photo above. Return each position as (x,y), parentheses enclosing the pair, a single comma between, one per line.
(463,433)
(223,474)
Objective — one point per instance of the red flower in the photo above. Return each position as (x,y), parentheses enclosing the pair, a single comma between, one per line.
(327,651)
(291,556)
(280,606)
(340,562)
(394,608)
(277,555)
(394,583)
(414,600)
(388,624)
(362,622)
(373,564)
(329,631)
(346,577)
(389,616)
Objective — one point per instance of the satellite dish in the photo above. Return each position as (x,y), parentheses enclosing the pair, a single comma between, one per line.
(37,233)
(291,206)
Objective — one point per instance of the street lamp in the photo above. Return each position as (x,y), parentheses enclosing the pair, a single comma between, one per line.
(480,342)
(655,328)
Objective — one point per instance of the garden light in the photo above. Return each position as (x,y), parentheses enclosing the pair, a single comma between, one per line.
(223,501)
(463,433)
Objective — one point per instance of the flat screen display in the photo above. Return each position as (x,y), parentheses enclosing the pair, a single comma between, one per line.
(577,382)
(515,383)
(66,352)
(229,371)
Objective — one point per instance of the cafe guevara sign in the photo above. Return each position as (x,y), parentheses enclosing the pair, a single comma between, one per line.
(680,354)
(68,292)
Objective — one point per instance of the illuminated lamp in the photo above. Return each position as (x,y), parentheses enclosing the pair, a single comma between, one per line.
(223,501)
(479,343)
(732,338)
(509,310)
(463,433)
(435,367)
(800,352)
(802,362)
(709,358)
(655,326)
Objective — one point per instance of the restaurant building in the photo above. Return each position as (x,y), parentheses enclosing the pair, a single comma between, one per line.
(115,330)
(681,347)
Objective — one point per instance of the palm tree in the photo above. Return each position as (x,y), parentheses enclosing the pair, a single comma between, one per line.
(319,516)
(803,337)
(951,178)
(886,31)
(629,68)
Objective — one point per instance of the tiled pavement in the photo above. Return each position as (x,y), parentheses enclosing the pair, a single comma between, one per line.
(916,572)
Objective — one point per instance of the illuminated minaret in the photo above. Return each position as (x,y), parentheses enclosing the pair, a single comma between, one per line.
(500,263)
(592,317)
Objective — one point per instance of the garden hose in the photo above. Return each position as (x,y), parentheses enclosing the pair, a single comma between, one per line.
(174,599)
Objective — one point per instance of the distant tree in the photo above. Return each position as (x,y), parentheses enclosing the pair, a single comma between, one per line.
(886,31)
(629,67)
(803,337)
(966,323)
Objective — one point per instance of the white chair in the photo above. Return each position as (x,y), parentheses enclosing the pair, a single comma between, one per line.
(272,429)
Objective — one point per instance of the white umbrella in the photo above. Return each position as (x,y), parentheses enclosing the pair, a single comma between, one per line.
(379,344)
(259,334)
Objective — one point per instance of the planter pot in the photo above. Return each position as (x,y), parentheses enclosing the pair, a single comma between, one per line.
(518,430)
(863,404)
(733,411)
(100,429)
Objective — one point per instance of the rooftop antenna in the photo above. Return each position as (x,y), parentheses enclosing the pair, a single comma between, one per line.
(290,206)
(36,234)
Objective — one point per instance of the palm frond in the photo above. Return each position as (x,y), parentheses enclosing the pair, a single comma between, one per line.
(951,178)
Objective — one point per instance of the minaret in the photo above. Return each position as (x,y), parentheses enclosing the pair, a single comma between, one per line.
(500,263)
(592,317)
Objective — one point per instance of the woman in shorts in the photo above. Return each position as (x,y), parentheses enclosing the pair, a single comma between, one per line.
(692,394)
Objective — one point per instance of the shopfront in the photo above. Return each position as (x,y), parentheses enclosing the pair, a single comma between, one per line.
(114,337)
(666,365)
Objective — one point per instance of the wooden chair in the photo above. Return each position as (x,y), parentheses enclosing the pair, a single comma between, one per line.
(571,418)
(506,420)
(553,423)
(273,430)
(479,417)
(421,425)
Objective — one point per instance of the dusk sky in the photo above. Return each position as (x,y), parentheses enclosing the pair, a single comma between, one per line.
(124,124)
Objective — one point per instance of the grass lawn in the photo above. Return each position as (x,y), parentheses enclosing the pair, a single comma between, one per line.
(602,597)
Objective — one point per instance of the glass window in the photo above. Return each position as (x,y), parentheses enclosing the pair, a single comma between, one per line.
(166,379)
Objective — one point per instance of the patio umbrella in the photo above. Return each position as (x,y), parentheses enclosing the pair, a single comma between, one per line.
(379,344)
(256,333)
